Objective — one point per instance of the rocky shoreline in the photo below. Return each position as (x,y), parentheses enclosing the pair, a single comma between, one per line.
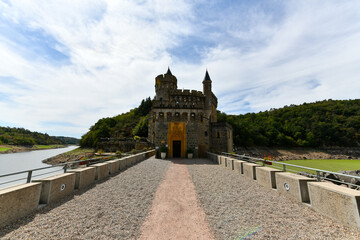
(74,155)
(282,154)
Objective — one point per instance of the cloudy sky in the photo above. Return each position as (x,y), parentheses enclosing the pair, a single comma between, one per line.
(66,64)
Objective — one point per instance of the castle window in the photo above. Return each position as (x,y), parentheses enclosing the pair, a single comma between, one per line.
(161,116)
(217,135)
(184,116)
(192,117)
(177,114)
(206,133)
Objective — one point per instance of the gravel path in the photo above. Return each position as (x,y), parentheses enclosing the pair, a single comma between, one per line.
(236,206)
(176,212)
(113,209)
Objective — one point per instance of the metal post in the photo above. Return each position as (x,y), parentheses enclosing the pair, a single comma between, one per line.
(65,168)
(284,167)
(29,177)
(263,163)
(318,176)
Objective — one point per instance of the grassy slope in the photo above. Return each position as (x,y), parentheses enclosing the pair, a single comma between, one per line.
(333,165)
(4,149)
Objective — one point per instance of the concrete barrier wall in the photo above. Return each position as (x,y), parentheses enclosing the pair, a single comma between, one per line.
(123,164)
(84,177)
(229,163)
(339,203)
(265,176)
(249,170)
(21,200)
(293,185)
(102,170)
(238,166)
(129,161)
(114,166)
(219,159)
(56,187)
(222,161)
(18,201)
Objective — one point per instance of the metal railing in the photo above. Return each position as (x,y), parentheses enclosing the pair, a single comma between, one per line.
(319,174)
(63,167)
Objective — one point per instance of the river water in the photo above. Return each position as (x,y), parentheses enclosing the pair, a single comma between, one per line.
(16,162)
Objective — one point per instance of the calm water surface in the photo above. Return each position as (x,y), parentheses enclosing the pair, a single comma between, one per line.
(16,162)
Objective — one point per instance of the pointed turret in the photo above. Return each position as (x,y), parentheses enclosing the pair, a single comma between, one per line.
(207,77)
(168,71)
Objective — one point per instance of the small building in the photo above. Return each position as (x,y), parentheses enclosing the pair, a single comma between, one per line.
(184,119)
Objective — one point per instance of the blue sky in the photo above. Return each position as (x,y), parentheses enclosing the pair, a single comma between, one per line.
(66,64)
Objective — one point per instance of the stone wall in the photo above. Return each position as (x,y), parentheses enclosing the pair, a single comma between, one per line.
(221,137)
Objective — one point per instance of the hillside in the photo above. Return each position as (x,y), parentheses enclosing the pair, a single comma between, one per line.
(126,125)
(24,137)
(320,124)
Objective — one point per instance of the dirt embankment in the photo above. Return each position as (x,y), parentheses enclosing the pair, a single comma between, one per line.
(71,156)
(280,154)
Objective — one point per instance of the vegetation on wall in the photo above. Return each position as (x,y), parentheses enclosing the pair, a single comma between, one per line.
(24,137)
(324,123)
(126,125)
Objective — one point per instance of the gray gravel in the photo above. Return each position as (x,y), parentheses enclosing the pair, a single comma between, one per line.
(236,206)
(113,209)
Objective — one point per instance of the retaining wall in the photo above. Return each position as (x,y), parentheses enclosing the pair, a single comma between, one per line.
(337,202)
(293,185)
(84,177)
(249,170)
(238,166)
(102,170)
(56,187)
(266,176)
(114,166)
(19,201)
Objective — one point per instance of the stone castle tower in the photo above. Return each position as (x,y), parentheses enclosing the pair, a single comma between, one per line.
(183,119)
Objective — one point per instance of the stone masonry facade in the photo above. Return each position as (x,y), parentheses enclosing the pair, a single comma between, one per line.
(184,119)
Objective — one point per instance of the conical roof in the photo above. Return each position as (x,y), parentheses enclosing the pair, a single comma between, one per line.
(168,71)
(207,77)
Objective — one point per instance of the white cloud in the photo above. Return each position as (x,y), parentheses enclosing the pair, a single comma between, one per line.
(258,57)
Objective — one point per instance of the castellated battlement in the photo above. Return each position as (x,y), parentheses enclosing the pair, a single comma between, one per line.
(186,93)
(165,78)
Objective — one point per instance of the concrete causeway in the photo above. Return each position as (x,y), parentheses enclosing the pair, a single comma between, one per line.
(181,199)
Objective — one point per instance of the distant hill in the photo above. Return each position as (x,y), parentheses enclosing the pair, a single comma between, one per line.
(320,124)
(24,137)
(126,125)
(68,140)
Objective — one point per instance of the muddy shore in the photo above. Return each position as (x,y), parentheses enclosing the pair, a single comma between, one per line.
(74,155)
(282,154)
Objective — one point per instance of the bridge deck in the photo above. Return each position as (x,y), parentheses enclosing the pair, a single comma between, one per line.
(233,205)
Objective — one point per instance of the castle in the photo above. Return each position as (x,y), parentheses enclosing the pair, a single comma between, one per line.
(184,119)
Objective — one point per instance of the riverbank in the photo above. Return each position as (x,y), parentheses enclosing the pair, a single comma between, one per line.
(15,149)
(71,156)
(282,154)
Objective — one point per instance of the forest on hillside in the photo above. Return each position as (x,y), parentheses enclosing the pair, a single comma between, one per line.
(324,123)
(24,137)
(126,125)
